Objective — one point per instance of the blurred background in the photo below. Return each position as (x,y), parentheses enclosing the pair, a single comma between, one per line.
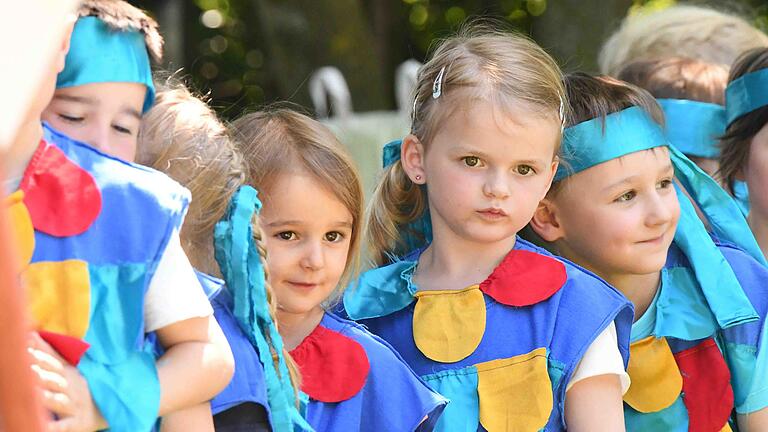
(247,53)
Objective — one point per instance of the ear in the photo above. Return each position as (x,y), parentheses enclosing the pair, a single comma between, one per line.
(412,159)
(545,221)
(63,47)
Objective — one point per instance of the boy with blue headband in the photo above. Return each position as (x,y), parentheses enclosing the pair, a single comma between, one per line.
(102,264)
(745,144)
(106,84)
(696,350)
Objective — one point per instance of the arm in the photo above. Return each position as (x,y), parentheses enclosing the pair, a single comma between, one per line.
(595,403)
(195,419)
(755,421)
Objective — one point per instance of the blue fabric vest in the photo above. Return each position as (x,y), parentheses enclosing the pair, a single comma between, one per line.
(140,209)
(392,399)
(565,325)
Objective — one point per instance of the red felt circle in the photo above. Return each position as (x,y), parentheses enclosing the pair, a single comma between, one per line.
(707,391)
(70,348)
(63,199)
(333,367)
(525,278)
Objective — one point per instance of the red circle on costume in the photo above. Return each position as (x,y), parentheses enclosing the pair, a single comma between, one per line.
(333,367)
(63,199)
(525,278)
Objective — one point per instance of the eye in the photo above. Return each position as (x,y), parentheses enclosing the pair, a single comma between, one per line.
(334,236)
(70,119)
(524,170)
(122,130)
(471,161)
(286,235)
(665,184)
(628,196)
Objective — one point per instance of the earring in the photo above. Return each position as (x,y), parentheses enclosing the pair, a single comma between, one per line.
(418,177)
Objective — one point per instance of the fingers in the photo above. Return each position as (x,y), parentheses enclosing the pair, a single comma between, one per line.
(58,403)
(50,381)
(46,361)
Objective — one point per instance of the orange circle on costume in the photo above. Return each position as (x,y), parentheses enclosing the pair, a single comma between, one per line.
(655,376)
(21,227)
(449,325)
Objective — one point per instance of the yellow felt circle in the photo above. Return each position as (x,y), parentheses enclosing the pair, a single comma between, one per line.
(59,294)
(515,393)
(449,325)
(21,227)
(656,380)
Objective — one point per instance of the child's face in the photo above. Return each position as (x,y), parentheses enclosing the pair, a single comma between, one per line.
(486,171)
(106,116)
(756,173)
(620,217)
(307,232)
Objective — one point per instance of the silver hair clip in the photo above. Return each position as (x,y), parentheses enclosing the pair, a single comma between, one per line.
(562,114)
(437,86)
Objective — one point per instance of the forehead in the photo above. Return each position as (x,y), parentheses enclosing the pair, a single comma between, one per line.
(300,196)
(126,94)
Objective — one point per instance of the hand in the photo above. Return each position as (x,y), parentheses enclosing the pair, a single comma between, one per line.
(65,391)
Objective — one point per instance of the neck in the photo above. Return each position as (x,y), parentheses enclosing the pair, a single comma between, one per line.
(18,155)
(758,223)
(453,263)
(294,327)
(639,289)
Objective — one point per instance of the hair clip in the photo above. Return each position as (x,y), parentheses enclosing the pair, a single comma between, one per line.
(561,113)
(437,86)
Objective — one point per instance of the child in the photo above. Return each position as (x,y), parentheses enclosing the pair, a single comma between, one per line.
(515,338)
(97,276)
(743,155)
(614,210)
(182,136)
(694,31)
(106,84)
(311,222)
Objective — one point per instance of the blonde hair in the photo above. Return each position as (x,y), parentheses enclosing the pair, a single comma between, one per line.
(683,30)
(480,63)
(281,141)
(182,137)
(678,78)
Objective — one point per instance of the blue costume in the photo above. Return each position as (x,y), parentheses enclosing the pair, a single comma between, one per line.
(502,351)
(695,351)
(91,257)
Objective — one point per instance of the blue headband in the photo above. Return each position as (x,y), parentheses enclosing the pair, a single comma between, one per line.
(694,127)
(99,54)
(746,94)
(240,264)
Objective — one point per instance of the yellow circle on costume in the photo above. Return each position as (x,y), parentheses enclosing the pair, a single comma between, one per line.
(655,376)
(21,227)
(60,296)
(449,325)
(515,393)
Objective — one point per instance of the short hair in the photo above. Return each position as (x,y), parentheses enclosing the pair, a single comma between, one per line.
(735,144)
(683,30)
(121,15)
(678,78)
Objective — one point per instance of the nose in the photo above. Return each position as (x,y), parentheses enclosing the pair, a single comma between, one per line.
(661,209)
(495,185)
(313,257)
(98,137)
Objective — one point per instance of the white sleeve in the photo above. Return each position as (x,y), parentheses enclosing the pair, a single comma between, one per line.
(174,293)
(602,358)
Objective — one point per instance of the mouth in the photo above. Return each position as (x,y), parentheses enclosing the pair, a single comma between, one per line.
(303,285)
(492,213)
(654,241)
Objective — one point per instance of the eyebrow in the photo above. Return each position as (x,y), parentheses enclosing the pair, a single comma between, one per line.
(629,179)
(89,101)
(278,223)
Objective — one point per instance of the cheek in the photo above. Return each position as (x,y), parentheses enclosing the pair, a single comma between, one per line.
(126,149)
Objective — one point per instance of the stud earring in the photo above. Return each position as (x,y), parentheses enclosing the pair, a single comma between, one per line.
(418,177)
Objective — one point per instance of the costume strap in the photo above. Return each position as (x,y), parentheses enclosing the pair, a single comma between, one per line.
(98,54)
(241,266)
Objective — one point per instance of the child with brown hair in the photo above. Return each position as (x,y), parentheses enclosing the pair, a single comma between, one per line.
(514,337)
(697,353)
(182,136)
(744,157)
(311,221)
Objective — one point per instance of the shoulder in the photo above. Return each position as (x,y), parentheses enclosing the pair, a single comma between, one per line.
(375,348)
(381,291)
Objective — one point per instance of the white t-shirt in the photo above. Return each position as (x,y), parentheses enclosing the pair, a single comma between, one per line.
(174,293)
(602,358)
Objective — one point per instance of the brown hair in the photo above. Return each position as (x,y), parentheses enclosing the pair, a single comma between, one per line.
(121,15)
(735,144)
(681,30)
(678,78)
(182,137)
(594,97)
(480,63)
(281,141)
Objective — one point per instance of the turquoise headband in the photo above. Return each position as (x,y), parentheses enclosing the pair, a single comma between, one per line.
(694,127)
(99,54)
(240,264)
(746,94)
